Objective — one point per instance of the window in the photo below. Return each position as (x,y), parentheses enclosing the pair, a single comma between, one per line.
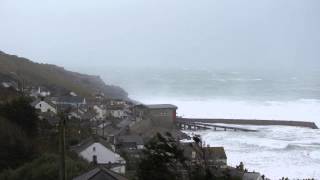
(94,149)
(163,114)
(193,154)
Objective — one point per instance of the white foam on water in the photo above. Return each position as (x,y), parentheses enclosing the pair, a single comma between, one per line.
(275,151)
(299,110)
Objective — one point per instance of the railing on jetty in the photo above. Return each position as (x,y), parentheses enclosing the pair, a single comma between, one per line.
(202,126)
(255,122)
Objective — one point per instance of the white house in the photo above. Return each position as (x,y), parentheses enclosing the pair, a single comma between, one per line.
(118,113)
(117,102)
(43,93)
(39,92)
(101,112)
(97,151)
(10,84)
(75,114)
(44,106)
(6,84)
(73,93)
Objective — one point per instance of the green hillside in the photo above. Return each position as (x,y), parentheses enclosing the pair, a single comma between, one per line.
(55,77)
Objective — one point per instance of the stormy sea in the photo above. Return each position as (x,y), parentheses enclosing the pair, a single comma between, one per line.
(275,151)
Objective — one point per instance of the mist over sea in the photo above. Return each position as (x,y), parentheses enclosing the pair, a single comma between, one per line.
(202,83)
(255,94)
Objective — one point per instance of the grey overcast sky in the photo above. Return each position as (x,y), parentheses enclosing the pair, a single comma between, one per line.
(188,33)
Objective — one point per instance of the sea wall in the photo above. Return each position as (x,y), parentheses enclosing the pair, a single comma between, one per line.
(306,124)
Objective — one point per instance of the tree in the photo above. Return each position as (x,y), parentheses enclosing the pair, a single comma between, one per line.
(241,167)
(200,171)
(18,131)
(20,112)
(162,159)
(15,148)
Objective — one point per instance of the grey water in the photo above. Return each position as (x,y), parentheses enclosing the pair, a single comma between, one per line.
(281,94)
(212,83)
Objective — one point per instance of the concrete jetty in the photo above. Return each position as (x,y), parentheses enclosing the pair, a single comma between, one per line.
(254,122)
(194,126)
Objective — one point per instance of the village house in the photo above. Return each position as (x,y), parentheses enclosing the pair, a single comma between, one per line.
(99,96)
(90,115)
(117,112)
(6,84)
(79,112)
(116,102)
(50,117)
(73,93)
(131,145)
(44,105)
(75,114)
(109,131)
(139,112)
(251,176)
(118,108)
(104,124)
(100,173)
(98,151)
(40,92)
(148,120)
(130,142)
(163,112)
(163,115)
(10,84)
(69,100)
(101,111)
(215,157)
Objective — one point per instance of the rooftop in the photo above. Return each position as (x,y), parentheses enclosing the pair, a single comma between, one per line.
(215,152)
(100,173)
(34,103)
(161,106)
(88,142)
(251,176)
(131,138)
(210,152)
(69,99)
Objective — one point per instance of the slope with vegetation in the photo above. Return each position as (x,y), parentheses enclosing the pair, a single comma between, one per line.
(55,77)
(29,147)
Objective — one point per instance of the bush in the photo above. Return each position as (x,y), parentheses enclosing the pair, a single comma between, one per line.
(15,147)
(20,112)
(46,167)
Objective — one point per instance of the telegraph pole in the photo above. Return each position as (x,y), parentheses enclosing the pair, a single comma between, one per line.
(103,123)
(62,149)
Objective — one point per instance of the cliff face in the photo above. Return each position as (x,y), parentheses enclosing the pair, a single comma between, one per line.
(55,78)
